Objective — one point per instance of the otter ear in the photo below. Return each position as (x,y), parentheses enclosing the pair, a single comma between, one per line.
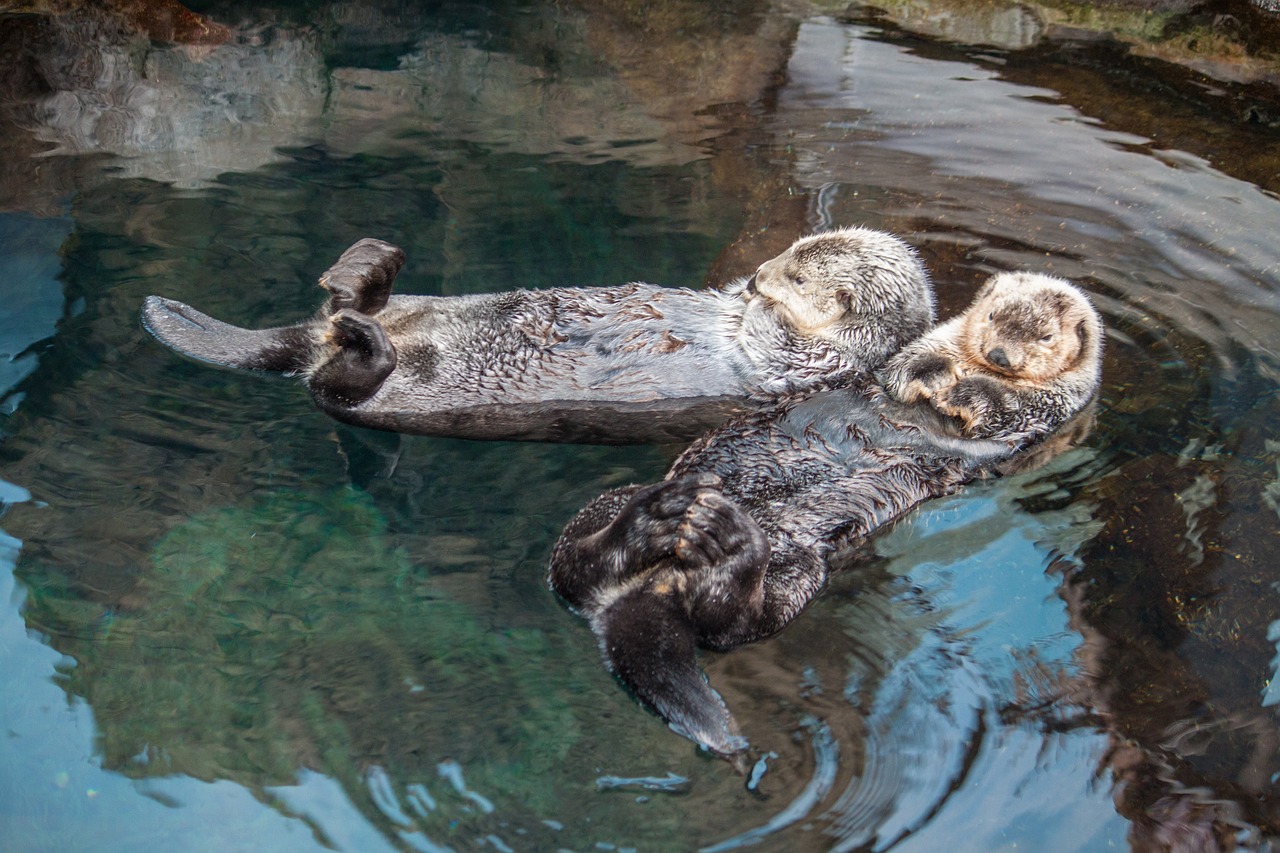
(845,298)
(1084,332)
(985,290)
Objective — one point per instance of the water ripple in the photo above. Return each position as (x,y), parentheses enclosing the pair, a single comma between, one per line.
(826,753)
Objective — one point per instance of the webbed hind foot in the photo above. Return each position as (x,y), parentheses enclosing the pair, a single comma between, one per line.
(362,277)
(364,359)
(651,646)
(723,554)
(647,528)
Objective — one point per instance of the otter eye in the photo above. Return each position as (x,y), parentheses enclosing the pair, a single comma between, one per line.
(799,279)
(991,316)
(1047,339)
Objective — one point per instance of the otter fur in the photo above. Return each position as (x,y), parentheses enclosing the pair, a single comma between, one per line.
(628,363)
(1018,361)
(742,533)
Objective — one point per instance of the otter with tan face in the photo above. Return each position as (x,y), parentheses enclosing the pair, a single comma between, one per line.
(749,524)
(1019,360)
(629,363)
(742,534)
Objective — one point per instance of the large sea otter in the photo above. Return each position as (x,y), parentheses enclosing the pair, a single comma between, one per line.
(742,533)
(628,363)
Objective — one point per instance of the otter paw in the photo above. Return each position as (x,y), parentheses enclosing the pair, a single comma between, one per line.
(974,400)
(716,530)
(920,378)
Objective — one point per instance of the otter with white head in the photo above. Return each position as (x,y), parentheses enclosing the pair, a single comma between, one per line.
(1019,360)
(835,291)
(629,363)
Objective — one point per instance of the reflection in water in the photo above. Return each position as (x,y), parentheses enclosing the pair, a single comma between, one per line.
(202,100)
(309,635)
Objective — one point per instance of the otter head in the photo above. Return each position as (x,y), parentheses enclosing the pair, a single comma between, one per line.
(827,285)
(1031,327)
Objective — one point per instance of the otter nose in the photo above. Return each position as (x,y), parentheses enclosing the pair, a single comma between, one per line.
(999,358)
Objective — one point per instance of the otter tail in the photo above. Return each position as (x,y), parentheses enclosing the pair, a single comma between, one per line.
(184,329)
(650,644)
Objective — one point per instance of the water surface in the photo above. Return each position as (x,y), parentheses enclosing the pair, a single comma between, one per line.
(234,622)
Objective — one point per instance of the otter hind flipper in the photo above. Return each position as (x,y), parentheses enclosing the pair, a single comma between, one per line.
(650,645)
(361,278)
(364,359)
(188,331)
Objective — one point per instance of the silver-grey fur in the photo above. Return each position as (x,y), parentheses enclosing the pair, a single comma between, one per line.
(610,363)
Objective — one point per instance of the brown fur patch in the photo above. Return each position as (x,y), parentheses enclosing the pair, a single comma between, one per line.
(645,311)
(670,343)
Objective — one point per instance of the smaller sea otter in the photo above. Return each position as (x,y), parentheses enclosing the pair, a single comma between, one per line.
(1018,361)
(745,529)
(629,363)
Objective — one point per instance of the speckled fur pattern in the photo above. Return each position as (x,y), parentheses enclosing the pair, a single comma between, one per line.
(637,341)
(851,292)
(740,536)
(1019,361)
(833,306)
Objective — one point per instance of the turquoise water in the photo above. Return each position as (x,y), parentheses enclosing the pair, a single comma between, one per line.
(233,624)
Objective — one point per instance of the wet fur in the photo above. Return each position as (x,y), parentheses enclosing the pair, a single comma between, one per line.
(564,362)
(1019,361)
(741,535)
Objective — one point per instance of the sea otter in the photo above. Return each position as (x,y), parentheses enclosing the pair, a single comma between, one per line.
(628,363)
(1018,361)
(742,533)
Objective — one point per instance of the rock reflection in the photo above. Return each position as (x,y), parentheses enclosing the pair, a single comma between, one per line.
(200,100)
(1173,601)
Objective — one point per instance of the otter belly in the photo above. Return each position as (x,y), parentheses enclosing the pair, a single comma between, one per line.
(615,365)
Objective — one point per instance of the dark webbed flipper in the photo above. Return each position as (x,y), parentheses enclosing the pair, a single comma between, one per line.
(361,278)
(723,556)
(658,570)
(649,643)
(364,360)
(619,534)
(183,328)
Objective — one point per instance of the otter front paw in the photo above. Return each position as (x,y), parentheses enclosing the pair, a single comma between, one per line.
(361,279)
(919,377)
(975,400)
